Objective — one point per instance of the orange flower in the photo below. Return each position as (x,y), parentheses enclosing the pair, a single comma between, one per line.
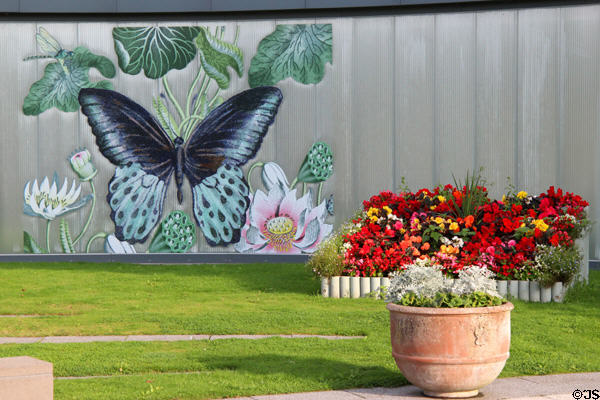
(425,246)
(416,252)
(469,219)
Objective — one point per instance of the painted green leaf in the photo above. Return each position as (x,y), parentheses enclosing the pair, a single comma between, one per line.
(165,118)
(63,79)
(155,50)
(30,246)
(65,237)
(216,55)
(296,51)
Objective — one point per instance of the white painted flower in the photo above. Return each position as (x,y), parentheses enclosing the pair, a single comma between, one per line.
(115,246)
(48,202)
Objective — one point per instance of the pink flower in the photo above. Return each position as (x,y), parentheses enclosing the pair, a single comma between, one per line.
(278,222)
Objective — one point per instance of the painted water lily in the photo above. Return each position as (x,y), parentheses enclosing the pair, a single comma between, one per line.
(279,222)
(49,202)
(81,163)
(115,246)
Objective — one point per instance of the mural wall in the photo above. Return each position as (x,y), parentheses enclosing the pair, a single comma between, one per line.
(263,135)
(204,138)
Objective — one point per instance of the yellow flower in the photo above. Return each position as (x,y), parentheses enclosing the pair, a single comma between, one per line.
(439,220)
(522,224)
(541,225)
(503,198)
(373,211)
(522,194)
(441,199)
(432,207)
(454,226)
(374,218)
(387,210)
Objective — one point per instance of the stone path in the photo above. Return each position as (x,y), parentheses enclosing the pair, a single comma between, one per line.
(156,338)
(547,387)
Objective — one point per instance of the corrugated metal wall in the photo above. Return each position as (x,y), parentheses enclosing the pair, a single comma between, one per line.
(420,96)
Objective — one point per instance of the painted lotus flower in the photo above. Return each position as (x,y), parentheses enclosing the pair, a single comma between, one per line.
(115,246)
(279,222)
(81,163)
(48,202)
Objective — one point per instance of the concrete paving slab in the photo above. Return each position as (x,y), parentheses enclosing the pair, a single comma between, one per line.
(157,338)
(19,340)
(250,337)
(154,338)
(82,339)
(389,393)
(330,395)
(548,387)
(200,337)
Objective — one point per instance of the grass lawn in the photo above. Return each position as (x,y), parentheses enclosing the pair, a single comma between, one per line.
(117,299)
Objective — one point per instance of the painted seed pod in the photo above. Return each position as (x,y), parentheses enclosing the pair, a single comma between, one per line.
(176,234)
(317,165)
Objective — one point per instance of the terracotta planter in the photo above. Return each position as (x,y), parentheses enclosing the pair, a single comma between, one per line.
(450,352)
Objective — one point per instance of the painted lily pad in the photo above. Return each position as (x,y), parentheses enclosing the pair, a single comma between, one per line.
(155,50)
(216,55)
(296,51)
(63,79)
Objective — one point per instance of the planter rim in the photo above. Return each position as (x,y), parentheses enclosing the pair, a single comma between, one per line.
(449,311)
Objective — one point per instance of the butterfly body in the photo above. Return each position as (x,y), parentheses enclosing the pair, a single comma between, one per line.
(146,157)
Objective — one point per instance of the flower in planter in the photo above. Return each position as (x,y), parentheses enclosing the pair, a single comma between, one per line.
(279,222)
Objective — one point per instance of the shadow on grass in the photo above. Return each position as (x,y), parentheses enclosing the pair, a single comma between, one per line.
(326,372)
(265,277)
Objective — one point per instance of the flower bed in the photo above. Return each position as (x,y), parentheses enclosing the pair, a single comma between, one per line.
(459,225)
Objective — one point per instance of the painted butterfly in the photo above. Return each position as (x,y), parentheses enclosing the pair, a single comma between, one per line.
(146,157)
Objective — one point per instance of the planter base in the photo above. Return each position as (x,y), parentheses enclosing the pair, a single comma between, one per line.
(452,395)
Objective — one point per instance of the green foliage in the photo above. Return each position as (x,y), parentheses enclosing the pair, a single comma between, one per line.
(216,55)
(451,300)
(296,51)
(155,50)
(30,246)
(328,259)
(473,195)
(557,264)
(63,79)
(65,237)
(176,234)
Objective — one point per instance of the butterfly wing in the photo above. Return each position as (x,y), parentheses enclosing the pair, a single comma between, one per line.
(130,138)
(220,204)
(127,133)
(225,140)
(136,200)
(47,43)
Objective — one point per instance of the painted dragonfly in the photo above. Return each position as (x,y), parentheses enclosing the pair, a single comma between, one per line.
(51,49)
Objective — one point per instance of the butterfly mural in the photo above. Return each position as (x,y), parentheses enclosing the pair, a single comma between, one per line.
(211,160)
